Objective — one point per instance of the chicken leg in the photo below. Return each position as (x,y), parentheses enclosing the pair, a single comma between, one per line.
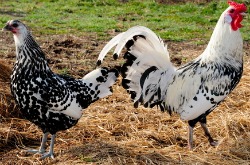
(42,147)
(203,123)
(51,149)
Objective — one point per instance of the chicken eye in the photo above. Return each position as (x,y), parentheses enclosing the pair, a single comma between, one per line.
(15,25)
(231,11)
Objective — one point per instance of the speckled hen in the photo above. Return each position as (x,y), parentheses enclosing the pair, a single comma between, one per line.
(53,102)
(192,90)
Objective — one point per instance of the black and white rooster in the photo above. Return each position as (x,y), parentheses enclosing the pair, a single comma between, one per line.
(192,90)
(53,102)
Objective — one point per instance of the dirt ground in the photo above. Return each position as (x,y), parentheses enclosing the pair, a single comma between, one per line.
(112,131)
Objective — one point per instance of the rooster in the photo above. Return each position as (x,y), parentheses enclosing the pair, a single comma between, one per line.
(52,102)
(192,90)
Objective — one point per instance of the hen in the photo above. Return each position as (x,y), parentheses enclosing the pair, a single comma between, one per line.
(192,90)
(52,102)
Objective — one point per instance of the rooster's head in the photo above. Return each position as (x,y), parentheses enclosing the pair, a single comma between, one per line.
(234,14)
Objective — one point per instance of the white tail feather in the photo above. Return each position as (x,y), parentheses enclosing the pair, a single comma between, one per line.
(150,56)
(103,86)
(112,43)
(152,39)
(145,60)
(121,39)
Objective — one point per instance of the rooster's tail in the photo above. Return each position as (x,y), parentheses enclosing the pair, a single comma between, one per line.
(147,65)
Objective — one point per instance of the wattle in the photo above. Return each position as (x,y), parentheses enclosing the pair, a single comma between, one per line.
(236,24)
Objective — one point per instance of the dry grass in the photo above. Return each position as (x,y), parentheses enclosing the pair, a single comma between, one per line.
(111,131)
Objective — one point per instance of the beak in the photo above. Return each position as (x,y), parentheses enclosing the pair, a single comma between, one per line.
(7,27)
(243,14)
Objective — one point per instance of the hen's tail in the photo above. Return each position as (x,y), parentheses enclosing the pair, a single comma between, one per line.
(147,68)
(101,80)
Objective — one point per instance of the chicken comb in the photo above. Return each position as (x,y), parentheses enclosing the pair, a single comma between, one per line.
(238,6)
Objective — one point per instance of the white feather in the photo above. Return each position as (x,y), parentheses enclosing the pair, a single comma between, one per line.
(103,87)
(113,42)
(74,110)
(150,36)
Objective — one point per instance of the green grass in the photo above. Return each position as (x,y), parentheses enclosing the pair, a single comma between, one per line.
(175,22)
(86,159)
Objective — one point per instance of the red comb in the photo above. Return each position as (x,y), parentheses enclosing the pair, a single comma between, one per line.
(238,6)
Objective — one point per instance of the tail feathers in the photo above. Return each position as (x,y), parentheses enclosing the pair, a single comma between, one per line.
(149,89)
(153,40)
(147,69)
(146,73)
(102,79)
(148,55)
(112,43)
(125,39)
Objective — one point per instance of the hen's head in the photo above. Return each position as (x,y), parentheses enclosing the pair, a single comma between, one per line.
(16,27)
(234,14)
(19,31)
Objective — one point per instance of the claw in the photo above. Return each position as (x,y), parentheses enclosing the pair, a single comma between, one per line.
(51,150)
(46,155)
(34,151)
(42,147)
(214,143)
(207,133)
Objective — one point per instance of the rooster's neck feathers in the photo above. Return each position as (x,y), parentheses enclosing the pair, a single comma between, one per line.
(225,45)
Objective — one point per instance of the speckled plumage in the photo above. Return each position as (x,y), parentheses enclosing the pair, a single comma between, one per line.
(192,90)
(52,102)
